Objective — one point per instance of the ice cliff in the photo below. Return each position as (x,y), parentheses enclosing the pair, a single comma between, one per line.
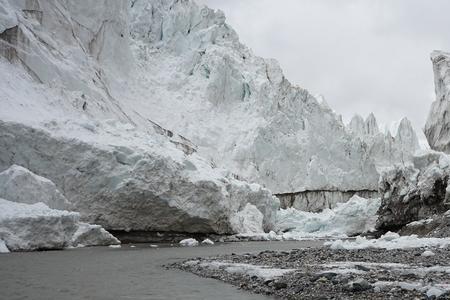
(437,128)
(389,147)
(238,108)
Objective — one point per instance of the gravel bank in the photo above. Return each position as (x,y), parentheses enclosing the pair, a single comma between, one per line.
(333,274)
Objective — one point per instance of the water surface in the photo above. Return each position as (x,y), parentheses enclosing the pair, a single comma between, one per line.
(125,273)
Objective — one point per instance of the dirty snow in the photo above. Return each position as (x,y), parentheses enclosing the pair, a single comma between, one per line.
(390,241)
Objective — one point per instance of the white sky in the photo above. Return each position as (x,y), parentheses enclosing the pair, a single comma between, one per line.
(362,55)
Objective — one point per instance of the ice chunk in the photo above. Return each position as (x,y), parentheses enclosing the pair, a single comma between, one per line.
(26,227)
(207,242)
(3,248)
(92,235)
(189,242)
(427,253)
(248,221)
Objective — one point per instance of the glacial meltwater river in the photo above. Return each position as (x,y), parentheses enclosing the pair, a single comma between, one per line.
(124,273)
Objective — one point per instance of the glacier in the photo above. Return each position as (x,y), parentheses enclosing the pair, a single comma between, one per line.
(151,115)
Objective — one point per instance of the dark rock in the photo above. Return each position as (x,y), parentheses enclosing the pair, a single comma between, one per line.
(362,268)
(359,285)
(278,285)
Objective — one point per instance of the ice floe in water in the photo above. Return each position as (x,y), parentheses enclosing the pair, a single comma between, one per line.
(390,241)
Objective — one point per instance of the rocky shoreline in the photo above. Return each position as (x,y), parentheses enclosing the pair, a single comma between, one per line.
(324,273)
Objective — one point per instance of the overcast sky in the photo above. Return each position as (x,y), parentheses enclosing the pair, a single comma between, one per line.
(362,55)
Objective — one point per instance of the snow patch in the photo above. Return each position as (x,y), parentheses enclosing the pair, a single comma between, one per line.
(390,241)
(264,272)
(427,253)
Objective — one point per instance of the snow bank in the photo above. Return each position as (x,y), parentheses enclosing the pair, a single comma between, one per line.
(390,241)
(21,185)
(356,216)
(26,227)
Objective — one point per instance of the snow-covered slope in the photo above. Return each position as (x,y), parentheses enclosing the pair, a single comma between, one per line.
(437,128)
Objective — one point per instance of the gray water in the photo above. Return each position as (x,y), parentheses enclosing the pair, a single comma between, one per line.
(125,273)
